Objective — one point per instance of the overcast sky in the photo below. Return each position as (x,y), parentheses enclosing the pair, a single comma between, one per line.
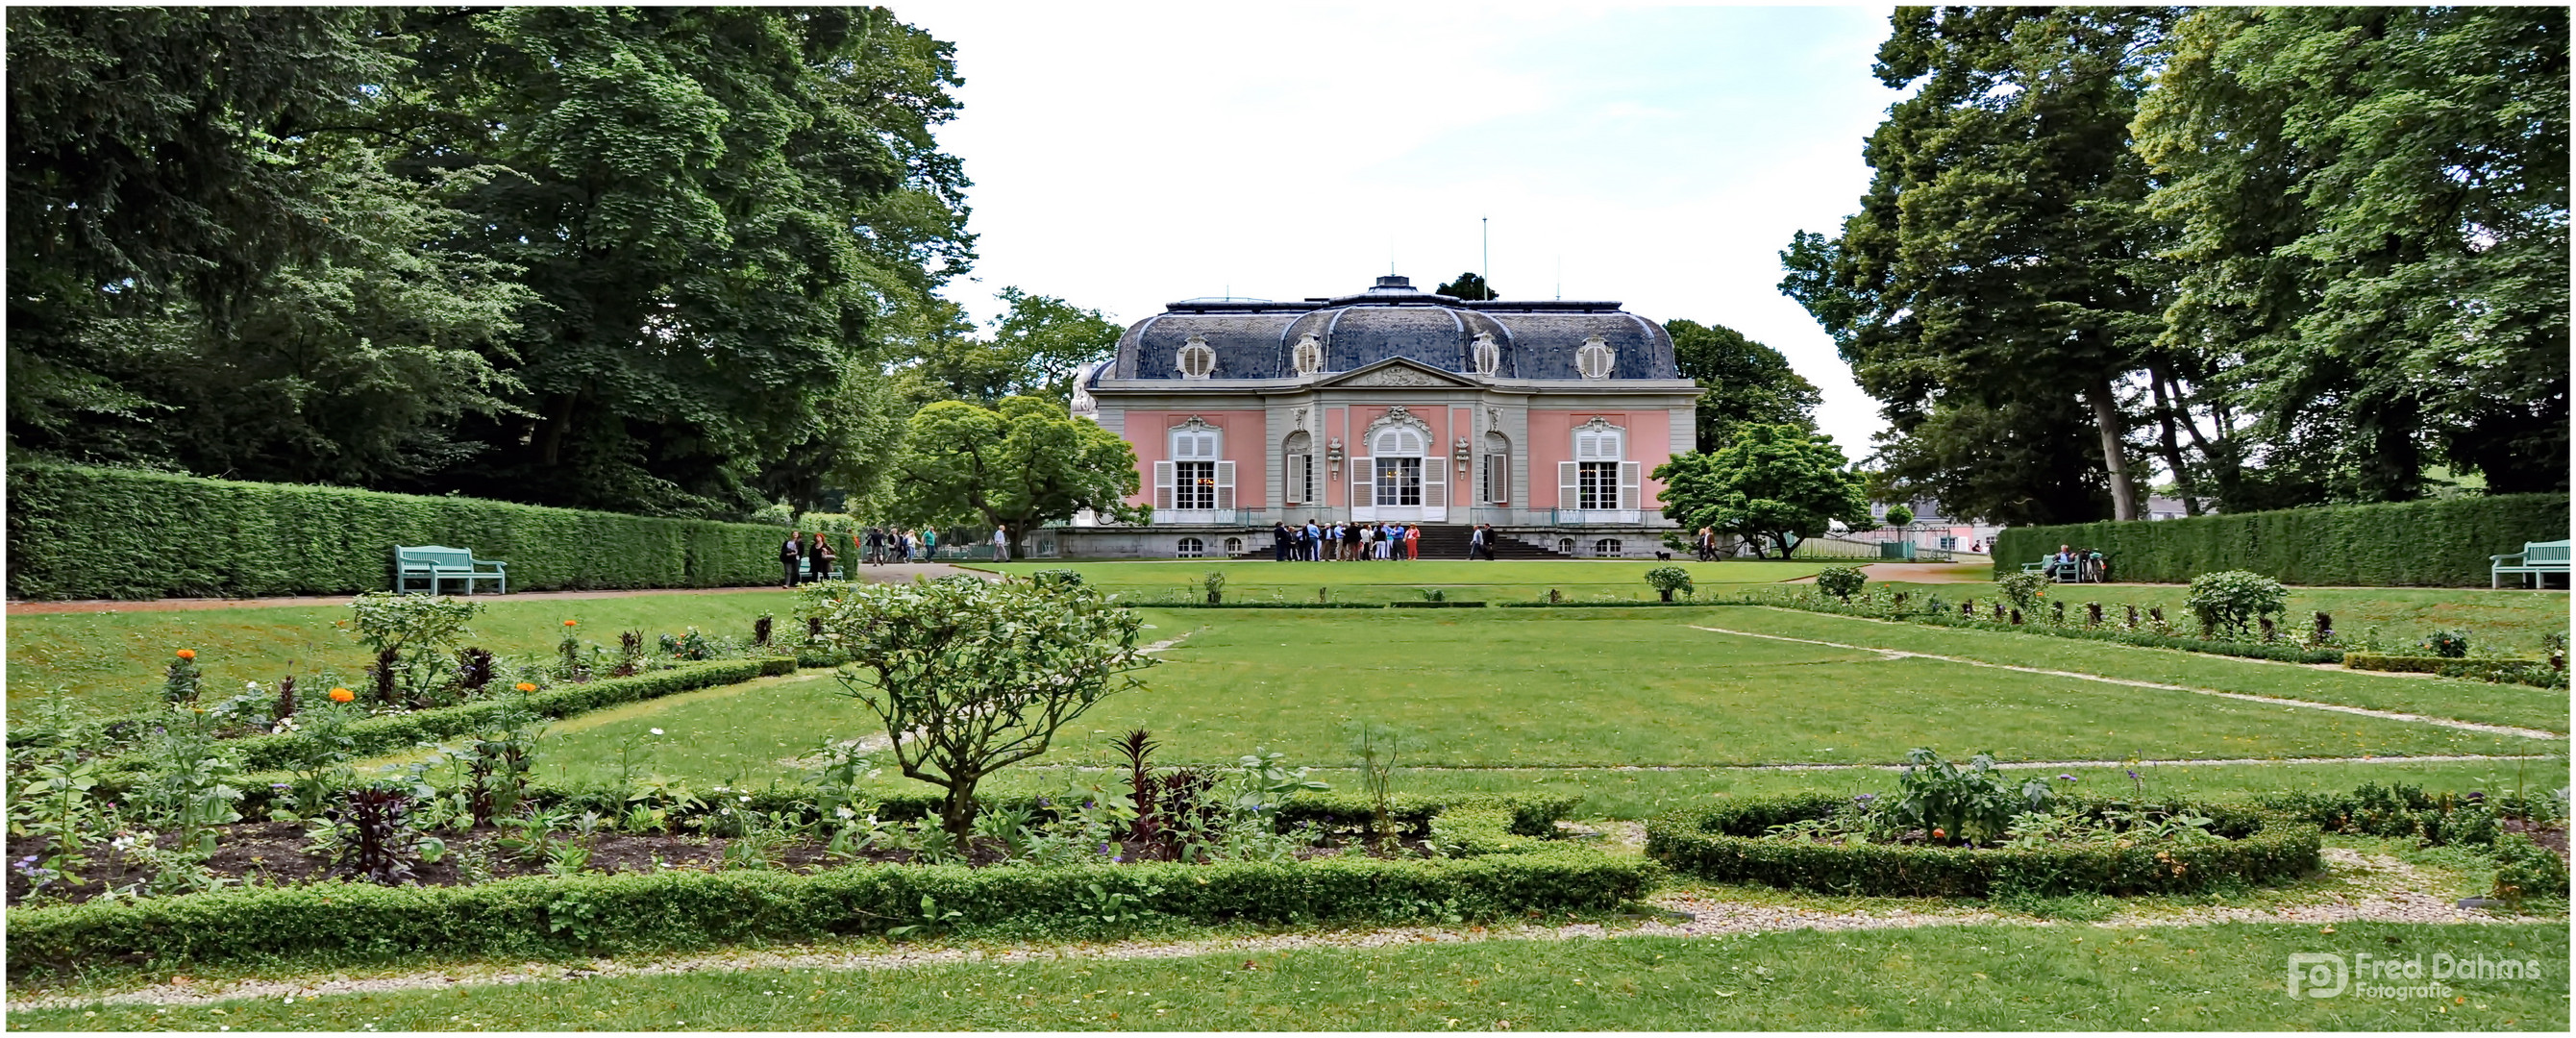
(1128,155)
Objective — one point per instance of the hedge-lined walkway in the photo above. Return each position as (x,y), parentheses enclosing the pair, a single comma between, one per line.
(888,573)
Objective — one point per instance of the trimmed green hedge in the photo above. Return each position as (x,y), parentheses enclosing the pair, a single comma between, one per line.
(1720,842)
(2416,544)
(2284,651)
(2537,673)
(606,915)
(73,532)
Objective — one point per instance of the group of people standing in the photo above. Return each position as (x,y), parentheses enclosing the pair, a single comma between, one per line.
(804,562)
(1344,542)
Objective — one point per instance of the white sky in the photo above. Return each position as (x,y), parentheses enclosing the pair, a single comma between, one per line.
(1128,155)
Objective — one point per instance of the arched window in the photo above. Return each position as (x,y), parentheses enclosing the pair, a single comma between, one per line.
(1497,481)
(1607,547)
(1487,354)
(1196,359)
(1400,467)
(1308,356)
(1594,359)
(1297,474)
(1565,546)
(1234,545)
(1190,548)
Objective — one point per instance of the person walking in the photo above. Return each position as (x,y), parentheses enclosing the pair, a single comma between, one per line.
(789,554)
(1476,542)
(1413,540)
(819,558)
(875,545)
(1001,544)
(930,545)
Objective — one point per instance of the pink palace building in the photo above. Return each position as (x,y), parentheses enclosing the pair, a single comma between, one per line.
(1542,418)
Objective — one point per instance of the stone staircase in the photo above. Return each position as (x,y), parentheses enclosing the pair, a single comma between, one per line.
(1440,541)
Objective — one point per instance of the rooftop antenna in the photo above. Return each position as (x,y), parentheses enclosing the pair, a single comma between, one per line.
(1485,227)
(1560,277)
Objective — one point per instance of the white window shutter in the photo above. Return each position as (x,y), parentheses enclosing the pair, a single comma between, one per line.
(1225,486)
(1435,482)
(1290,490)
(1630,476)
(1363,482)
(1569,495)
(1163,485)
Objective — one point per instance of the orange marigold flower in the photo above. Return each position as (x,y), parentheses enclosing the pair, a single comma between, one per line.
(342,695)
(187,654)
(526,686)
(572,623)
(1939,835)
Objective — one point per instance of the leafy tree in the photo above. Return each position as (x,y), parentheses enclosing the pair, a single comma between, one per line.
(1036,348)
(1900,516)
(711,204)
(1775,482)
(970,676)
(2373,214)
(1746,382)
(1999,256)
(2026,463)
(1470,286)
(1016,465)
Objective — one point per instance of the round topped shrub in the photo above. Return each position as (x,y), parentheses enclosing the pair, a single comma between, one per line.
(1668,579)
(2231,601)
(1841,581)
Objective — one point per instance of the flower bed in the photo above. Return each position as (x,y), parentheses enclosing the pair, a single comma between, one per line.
(1878,604)
(1728,842)
(1488,871)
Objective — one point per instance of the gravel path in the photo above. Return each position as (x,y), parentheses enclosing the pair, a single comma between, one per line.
(2389,715)
(2375,887)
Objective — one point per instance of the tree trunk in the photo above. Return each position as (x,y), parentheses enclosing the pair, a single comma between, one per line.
(2106,417)
(957,813)
(2172,447)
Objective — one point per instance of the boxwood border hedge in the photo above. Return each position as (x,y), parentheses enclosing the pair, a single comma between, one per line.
(2441,543)
(2537,673)
(678,910)
(1719,842)
(72,532)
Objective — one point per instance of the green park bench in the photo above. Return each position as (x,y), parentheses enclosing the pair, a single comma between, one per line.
(435,563)
(2085,571)
(2536,560)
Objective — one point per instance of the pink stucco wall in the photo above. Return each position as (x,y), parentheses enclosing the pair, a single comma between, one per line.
(1245,435)
(1551,434)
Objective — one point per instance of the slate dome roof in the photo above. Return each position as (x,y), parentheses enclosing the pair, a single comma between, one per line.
(1257,339)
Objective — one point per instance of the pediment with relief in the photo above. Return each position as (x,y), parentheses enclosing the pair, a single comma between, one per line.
(1398,371)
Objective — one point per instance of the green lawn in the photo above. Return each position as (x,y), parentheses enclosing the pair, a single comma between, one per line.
(2508,621)
(1984,977)
(111,663)
(1584,580)
(1533,689)
(2485,702)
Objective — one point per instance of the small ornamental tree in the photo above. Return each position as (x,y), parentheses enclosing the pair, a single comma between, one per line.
(1900,516)
(1668,579)
(970,677)
(1841,581)
(1774,484)
(2231,601)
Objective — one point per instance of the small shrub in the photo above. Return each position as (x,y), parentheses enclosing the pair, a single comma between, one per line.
(180,686)
(1056,578)
(1668,579)
(2527,871)
(1215,584)
(2231,601)
(2449,645)
(2023,589)
(1841,581)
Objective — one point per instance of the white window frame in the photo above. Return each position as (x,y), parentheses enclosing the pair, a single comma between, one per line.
(1195,353)
(1193,444)
(1617,485)
(1486,354)
(1594,359)
(1495,484)
(1297,469)
(1307,357)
